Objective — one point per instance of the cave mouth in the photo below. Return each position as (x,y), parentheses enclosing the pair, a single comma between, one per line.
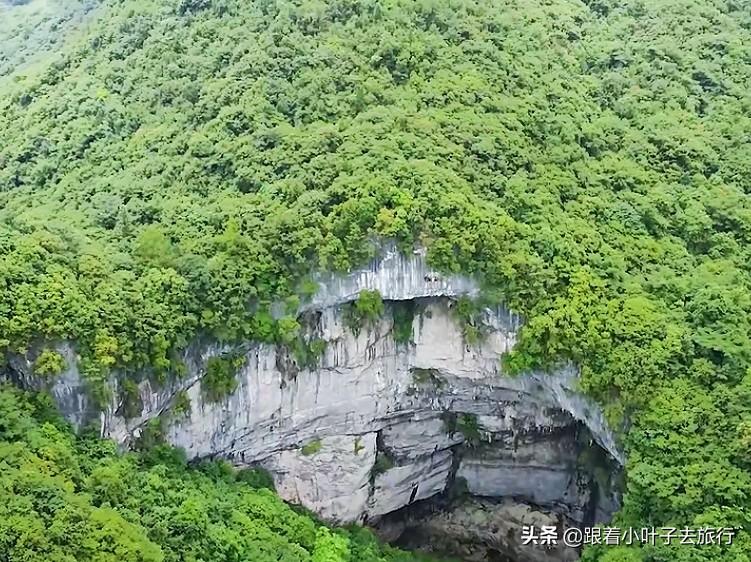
(476,529)
(460,525)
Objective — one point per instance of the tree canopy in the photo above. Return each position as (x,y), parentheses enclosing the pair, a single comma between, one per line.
(184,163)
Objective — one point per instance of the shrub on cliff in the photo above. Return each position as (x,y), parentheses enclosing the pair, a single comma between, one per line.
(364,310)
(49,364)
(220,379)
(403,316)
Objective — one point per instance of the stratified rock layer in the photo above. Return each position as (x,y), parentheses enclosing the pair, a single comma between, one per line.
(374,425)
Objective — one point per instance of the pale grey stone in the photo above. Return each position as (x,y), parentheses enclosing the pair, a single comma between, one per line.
(365,385)
(332,481)
(476,527)
(414,481)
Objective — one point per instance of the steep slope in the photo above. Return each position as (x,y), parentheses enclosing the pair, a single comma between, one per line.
(188,163)
(33,30)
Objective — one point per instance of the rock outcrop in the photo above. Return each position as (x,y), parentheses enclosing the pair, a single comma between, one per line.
(481,530)
(375,425)
(396,276)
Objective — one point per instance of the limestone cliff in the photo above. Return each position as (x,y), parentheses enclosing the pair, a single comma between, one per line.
(374,425)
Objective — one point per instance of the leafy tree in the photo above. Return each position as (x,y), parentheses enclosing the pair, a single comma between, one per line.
(364,310)
(49,364)
(220,379)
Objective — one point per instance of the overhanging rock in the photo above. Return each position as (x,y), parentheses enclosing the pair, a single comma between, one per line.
(324,431)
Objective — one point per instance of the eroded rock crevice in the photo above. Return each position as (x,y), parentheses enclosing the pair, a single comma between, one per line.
(559,478)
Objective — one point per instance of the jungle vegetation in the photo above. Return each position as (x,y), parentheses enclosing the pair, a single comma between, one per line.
(183,164)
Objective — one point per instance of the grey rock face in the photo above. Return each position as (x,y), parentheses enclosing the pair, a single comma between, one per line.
(333,481)
(320,430)
(68,389)
(395,276)
(478,529)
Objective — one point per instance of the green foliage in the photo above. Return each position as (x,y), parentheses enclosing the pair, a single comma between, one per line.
(307,288)
(132,405)
(329,547)
(49,364)
(365,309)
(180,405)
(151,436)
(311,448)
(383,462)
(178,368)
(403,315)
(307,353)
(178,166)
(75,499)
(256,478)
(288,329)
(218,470)
(154,248)
(469,315)
(466,424)
(220,379)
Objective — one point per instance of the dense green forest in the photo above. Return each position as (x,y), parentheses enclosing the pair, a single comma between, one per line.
(184,163)
(65,498)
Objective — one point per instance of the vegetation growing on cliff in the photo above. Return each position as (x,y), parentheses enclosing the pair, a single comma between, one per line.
(65,498)
(132,405)
(49,364)
(383,462)
(430,377)
(311,448)
(307,352)
(180,405)
(403,313)
(468,313)
(364,310)
(220,379)
(185,163)
(466,425)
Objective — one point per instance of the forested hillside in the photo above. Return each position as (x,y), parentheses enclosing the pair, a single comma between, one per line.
(187,162)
